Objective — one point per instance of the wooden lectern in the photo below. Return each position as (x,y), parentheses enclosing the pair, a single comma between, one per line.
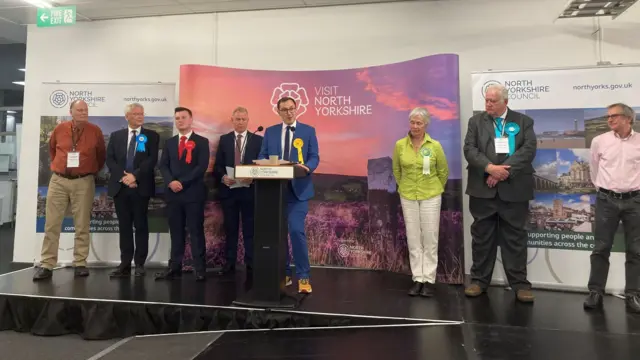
(270,237)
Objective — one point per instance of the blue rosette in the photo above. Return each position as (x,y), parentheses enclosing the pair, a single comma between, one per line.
(141,140)
(512,129)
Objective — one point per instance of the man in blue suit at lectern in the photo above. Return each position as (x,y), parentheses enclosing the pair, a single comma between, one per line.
(184,161)
(295,142)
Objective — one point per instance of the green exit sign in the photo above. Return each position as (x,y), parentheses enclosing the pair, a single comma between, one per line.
(57,16)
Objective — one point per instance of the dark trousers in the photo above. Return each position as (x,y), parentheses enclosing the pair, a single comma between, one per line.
(131,210)
(497,222)
(239,202)
(609,213)
(189,215)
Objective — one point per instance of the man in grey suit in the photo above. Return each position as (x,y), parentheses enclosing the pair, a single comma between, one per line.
(500,146)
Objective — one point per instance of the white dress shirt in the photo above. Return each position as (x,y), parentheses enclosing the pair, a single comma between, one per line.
(188,135)
(284,133)
(504,120)
(138,132)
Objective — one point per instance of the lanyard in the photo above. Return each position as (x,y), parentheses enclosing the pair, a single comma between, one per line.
(243,145)
(74,138)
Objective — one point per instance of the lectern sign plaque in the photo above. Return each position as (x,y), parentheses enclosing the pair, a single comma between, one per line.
(264,172)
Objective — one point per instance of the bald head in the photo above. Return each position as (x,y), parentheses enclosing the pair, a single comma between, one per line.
(79,111)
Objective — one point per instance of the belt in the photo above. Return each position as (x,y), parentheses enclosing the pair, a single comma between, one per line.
(621,196)
(72,177)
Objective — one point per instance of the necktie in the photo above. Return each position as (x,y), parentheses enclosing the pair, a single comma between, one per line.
(499,125)
(181,146)
(238,152)
(131,152)
(287,147)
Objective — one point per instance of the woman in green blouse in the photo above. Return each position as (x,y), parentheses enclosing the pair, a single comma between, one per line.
(421,171)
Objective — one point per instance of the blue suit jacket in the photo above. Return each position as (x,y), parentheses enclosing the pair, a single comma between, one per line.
(272,145)
(190,175)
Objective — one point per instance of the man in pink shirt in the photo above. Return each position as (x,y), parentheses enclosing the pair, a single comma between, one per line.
(615,171)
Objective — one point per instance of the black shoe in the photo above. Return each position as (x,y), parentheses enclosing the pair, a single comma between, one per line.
(228,268)
(201,276)
(169,275)
(80,271)
(140,272)
(415,289)
(427,290)
(633,303)
(42,274)
(593,301)
(121,272)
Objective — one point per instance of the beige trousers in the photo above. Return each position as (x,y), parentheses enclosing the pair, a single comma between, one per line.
(78,193)
(422,221)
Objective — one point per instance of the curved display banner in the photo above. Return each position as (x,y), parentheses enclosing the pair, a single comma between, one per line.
(568,107)
(355,219)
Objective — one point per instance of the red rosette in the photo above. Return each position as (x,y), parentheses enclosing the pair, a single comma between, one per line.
(190,145)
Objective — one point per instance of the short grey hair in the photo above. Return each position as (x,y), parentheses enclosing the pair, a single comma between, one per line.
(129,107)
(422,113)
(626,110)
(500,89)
(240,109)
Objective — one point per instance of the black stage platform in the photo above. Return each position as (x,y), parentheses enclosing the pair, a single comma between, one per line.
(352,314)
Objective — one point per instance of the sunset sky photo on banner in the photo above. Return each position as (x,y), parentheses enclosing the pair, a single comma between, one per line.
(358,113)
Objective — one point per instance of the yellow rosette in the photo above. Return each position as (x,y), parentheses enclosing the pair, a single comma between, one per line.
(298,143)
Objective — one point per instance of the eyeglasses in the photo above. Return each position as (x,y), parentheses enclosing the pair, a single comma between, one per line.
(291,110)
(614,116)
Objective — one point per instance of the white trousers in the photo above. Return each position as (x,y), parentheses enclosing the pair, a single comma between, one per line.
(422,221)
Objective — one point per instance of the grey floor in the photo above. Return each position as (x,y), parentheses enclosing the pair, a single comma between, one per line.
(25,346)
(28,347)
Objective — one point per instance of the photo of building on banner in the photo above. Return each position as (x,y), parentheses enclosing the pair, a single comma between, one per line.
(563,211)
(103,214)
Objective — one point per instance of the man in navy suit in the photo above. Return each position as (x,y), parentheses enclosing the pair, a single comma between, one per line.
(184,161)
(286,140)
(132,155)
(235,148)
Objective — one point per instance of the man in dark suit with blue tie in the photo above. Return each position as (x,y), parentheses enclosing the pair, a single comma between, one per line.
(296,142)
(235,148)
(132,155)
(500,146)
(184,161)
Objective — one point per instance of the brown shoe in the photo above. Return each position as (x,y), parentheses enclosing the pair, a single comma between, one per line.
(525,296)
(473,290)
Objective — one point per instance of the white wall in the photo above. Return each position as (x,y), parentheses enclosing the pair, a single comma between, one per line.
(491,34)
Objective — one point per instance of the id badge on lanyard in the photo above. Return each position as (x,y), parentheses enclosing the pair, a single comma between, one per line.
(501,142)
(73,157)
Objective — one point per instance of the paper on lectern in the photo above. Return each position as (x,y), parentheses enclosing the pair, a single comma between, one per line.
(231,175)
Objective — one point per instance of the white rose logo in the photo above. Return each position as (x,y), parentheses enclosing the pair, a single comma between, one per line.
(58,98)
(343,250)
(294,91)
(487,84)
